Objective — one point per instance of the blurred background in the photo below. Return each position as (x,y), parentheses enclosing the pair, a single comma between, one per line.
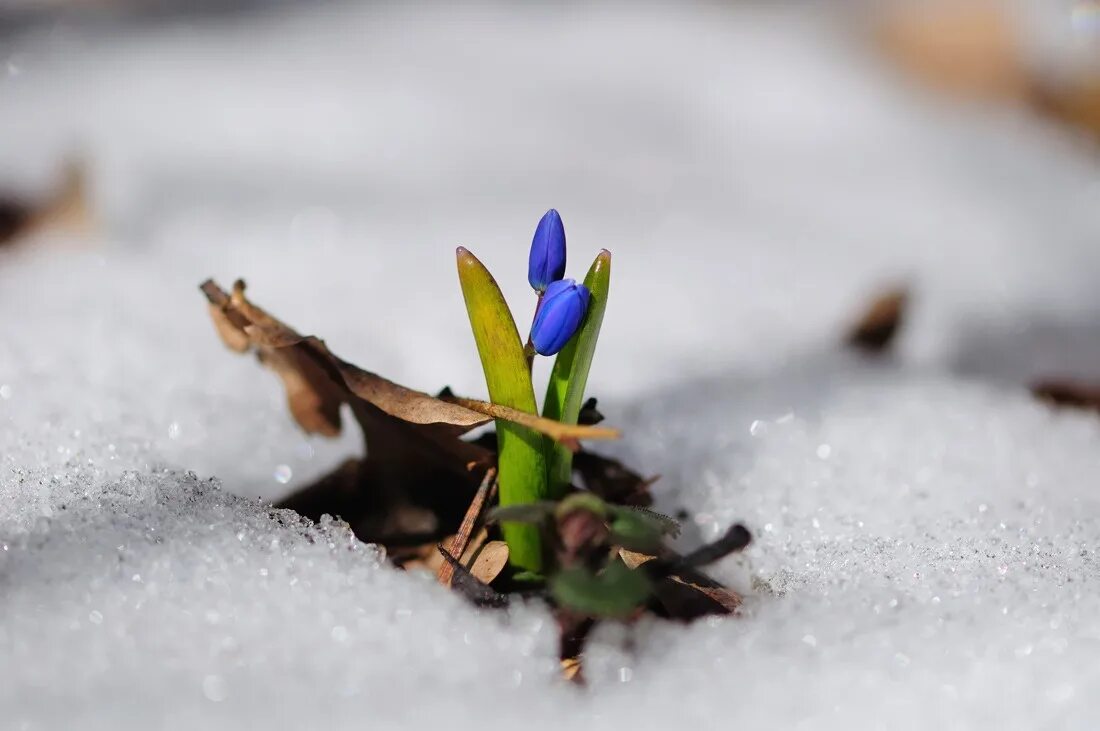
(759,170)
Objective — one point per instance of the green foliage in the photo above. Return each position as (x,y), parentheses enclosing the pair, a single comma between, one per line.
(638,529)
(565,393)
(531,468)
(535,513)
(582,501)
(522,468)
(615,592)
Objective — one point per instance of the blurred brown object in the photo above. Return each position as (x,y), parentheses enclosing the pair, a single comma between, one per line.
(67,209)
(965,47)
(1070,394)
(880,322)
(975,49)
(1076,101)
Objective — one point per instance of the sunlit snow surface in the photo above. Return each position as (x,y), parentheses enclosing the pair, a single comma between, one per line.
(926,535)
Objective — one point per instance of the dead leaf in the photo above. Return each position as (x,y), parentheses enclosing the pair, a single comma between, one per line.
(876,328)
(315,403)
(232,333)
(684,591)
(490,561)
(571,670)
(337,494)
(613,481)
(686,599)
(427,557)
(634,559)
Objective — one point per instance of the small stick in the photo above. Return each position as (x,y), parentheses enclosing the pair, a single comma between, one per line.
(466,528)
(567,434)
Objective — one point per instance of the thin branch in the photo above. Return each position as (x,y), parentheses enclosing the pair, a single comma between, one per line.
(469,522)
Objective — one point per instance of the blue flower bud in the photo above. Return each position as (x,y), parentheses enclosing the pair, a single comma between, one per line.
(559,316)
(546,263)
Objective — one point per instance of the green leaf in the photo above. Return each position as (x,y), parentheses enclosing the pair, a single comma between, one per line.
(522,468)
(529,579)
(581,501)
(666,524)
(536,512)
(565,394)
(616,592)
(636,531)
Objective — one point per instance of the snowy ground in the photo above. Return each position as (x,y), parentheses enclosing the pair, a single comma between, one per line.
(926,534)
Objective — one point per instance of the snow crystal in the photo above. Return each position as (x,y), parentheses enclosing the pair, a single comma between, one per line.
(925,534)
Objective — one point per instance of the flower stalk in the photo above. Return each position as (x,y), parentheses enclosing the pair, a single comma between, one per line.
(531,467)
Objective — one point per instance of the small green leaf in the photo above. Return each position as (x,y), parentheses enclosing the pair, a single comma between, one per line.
(536,512)
(582,501)
(636,531)
(530,578)
(522,468)
(616,592)
(565,394)
(666,524)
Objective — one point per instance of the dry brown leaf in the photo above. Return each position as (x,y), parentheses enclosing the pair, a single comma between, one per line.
(232,334)
(490,561)
(336,493)
(571,669)
(315,404)
(689,593)
(687,605)
(613,481)
(313,397)
(634,559)
(427,557)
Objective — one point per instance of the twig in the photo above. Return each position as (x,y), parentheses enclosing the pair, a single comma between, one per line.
(466,528)
(567,434)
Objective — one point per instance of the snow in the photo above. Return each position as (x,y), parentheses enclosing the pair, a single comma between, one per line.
(925,533)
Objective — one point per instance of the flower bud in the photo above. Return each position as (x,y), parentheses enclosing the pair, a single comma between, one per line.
(546,262)
(559,316)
